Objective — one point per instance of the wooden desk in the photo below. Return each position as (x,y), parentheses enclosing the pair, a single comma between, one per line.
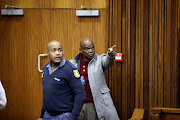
(160,113)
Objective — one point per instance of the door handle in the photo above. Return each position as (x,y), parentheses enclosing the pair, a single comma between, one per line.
(39,61)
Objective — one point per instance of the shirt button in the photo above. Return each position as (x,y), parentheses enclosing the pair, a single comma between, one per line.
(83,70)
(83,66)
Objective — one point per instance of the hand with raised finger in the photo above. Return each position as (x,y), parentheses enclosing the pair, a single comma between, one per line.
(112,51)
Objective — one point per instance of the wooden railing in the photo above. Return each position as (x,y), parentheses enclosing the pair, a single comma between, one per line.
(159,113)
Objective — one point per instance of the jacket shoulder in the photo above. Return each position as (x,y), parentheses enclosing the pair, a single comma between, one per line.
(72,61)
(70,65)
(100,56)
(45,66)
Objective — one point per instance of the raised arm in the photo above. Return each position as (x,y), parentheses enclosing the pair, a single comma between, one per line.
(108,59)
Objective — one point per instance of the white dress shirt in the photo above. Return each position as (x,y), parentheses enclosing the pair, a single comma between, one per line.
(3,99)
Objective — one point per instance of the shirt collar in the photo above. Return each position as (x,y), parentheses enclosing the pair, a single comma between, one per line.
(62,63)
(82,59)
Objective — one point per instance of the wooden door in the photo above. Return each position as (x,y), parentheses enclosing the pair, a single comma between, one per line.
(22,40)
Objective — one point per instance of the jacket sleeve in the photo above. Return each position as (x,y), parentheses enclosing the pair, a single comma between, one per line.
(3,99)
(107,60)
(78,91)
(42,112)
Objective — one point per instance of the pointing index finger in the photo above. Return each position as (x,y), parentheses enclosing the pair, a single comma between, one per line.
(113,46)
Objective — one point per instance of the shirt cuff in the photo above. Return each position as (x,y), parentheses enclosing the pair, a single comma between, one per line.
(74,116)
(111,56)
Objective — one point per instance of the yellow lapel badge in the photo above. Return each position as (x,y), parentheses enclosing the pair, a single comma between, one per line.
(76,73)
(57,79)
(42,75)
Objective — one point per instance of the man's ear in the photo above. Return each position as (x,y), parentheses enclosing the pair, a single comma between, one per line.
(80,50)
(47,52)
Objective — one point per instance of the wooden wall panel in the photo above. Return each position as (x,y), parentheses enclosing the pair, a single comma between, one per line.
(137,57)
(65,4)
(146,58)
(161,50)
(24,38)
(37,37)
(2,3)
(112,81)
(141,51)
(173,57)
(124,66)
(131,55)
(8,48)
(26,3)
(178,49)
(139,54)
(20,43)
(131,89)
(70,29)
(178,12)
(76,4)
(156,54)
(178,67)
(167,60)
(115,74)
(145,31)
(150,55)
(155,50)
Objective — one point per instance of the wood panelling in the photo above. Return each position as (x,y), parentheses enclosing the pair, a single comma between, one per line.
(178,12)
(146,58)
(161,48)
(124,71)
(147,32)
(139,54)
(70,29)
(173,56)
(115,73)
(70,4)
(137,100)
(178,66)
(151,54)
(26,3)
(131,83)
(113,36)
(2,3)
(155,50)
(65,4)
(76,4)
(21,38)
(167,60)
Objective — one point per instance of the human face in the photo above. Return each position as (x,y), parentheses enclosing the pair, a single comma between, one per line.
(87,50)
(55,52)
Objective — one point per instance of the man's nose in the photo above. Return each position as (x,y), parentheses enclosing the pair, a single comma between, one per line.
(91,49)
(57,52)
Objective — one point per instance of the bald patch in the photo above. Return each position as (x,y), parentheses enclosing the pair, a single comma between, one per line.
(85,41)
(53,42)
